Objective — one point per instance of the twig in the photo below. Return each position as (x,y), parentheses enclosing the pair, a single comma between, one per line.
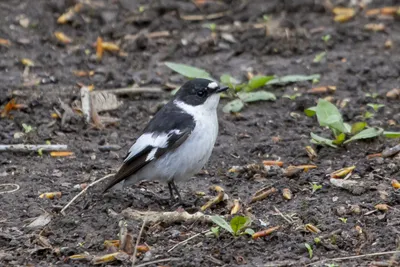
(204,17)
(133,90)
(168,217)
(157,261)
(83,191)
(356,257)
(86,105)
(283,216)
(137,242)
(9,191)
(28,148)
(148,35)
(187,240)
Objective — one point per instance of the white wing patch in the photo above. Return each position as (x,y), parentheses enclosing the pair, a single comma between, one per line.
(212,85)
(150,139)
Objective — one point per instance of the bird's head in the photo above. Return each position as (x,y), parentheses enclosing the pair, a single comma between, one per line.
(200,92)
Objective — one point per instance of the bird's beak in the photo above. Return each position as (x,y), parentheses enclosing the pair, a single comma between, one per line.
(222,89)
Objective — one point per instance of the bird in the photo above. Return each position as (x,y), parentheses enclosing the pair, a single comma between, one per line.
(178,140)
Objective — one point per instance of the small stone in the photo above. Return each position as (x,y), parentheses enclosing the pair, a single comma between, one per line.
(341,210)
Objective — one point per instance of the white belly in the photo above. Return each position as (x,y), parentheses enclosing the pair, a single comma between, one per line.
(186,160)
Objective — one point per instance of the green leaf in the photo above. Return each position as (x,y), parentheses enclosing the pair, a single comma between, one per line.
(348,127)
(319,57)
(257,82)
(310,111)
(27,128)
(188,71)
(40,151)
(233,106)
(365,134)
(249,231)
(326,38)
(238,223)
(391,134)
(329,115)
(358,127)
(375,107)
(218,220)
(293,78)
(340,139)
(309,248)
(292,97)
(229,81)
(316,139)
(368,115)
(215,231)
(256,96)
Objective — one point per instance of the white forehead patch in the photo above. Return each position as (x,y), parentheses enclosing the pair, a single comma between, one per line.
(212,85)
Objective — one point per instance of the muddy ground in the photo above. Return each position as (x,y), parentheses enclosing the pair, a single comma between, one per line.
(357,62)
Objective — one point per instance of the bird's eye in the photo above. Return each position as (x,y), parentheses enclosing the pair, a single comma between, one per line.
(201,93)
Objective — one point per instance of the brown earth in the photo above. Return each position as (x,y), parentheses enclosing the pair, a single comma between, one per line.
(356,62)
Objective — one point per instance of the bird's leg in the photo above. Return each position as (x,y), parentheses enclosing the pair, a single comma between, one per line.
(171,190)
(172,185)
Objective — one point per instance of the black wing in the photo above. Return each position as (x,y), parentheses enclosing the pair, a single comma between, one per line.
(169,128)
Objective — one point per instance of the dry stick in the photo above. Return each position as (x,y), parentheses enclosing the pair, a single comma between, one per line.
(133,90)
(137,241)
(9,191)
(83,191)
(187,240)
(204,17)
(28,148)
(355,257)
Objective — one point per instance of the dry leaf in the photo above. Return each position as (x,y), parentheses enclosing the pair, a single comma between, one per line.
(106,258)
(51,195)
(103,101)
(265,232)
(5,42)
(395,184)
(390,10)
(99,48)
(262,194)
(27,62)
(63,38)
(236,206)
(376,27)
(61,153)
(110,47)
(393,94)
(322,89)
(287,194)
(83,73)
(67,16)
(342,172)
(382,207)
(273,163)
(311,228)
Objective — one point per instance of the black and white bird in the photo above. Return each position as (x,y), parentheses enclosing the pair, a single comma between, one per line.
(178,140)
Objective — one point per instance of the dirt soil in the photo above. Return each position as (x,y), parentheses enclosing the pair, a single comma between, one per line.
(357,62)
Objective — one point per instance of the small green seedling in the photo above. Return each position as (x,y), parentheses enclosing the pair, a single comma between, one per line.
(211,26)
(368,115)
(372,95)
(292,97)
(40,151)
(310,250)
(344,220)
(215,231)
(375,107)
(319,57)
(317,240)
(266,18)
(326,38)
(329,116)
(27,128)
(331,265)
(315,187)
(237,226)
